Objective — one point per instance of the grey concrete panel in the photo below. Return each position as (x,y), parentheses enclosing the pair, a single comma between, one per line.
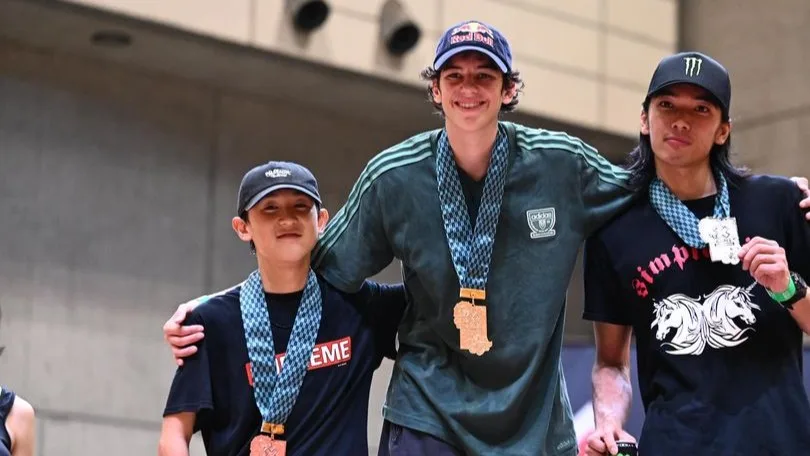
(104,187)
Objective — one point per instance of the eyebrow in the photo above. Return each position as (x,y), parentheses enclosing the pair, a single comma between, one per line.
(703,97)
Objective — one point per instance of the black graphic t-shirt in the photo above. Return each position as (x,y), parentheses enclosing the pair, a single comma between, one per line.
(330,416)
(719,362)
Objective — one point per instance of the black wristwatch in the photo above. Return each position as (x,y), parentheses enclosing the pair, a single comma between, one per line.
(797,290)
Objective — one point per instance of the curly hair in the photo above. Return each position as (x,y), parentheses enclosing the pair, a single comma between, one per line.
(511,82)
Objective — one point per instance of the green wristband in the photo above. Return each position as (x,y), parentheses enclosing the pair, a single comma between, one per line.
(785,295)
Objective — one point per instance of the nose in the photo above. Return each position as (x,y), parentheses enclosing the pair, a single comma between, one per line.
(680,124)
(287,218)
(468,85)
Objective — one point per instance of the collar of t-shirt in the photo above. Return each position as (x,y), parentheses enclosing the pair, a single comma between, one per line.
(701,207)
(282,308)
(473,190)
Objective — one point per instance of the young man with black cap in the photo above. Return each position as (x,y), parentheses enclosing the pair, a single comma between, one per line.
(287,361)
(718,325)
(486,218)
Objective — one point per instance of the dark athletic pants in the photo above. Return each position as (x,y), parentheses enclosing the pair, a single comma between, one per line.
(400,441)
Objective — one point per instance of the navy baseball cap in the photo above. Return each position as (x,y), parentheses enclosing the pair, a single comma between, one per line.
(275,175)
(474,36)
(693,68)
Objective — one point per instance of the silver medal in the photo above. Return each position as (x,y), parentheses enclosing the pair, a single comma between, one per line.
(721,235)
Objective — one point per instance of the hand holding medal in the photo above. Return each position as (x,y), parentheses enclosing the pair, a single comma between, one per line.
(767,263)
(718,232)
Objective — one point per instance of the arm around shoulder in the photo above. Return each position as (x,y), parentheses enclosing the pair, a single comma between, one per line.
(606,190)
(21,426)
(355,245)
(175,434)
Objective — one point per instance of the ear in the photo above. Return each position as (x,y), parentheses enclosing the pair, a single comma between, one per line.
(323,219)
(645,123)
(437,94)
(241,229)
(509,94)
(723,133)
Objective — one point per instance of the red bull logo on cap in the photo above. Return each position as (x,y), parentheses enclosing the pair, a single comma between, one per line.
(472,31)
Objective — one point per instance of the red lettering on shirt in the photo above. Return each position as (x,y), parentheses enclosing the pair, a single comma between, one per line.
(326,354)
(657,265)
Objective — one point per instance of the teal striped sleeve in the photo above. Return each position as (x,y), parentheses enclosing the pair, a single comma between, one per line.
(605,189)
(356,244)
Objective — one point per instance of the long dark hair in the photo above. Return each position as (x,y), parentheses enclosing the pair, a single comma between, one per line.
(641,161)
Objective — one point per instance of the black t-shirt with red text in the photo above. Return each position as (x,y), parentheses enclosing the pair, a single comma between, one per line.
(330,415)
(719,362)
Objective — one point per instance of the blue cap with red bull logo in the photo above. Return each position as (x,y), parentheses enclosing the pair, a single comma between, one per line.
(474,36)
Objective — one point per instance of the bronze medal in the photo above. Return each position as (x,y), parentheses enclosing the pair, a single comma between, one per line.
(266,445)
(471,321)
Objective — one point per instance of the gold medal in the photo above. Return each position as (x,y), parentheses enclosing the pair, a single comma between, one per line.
(471,321)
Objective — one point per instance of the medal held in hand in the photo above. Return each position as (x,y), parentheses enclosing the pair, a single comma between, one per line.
(275,395)
(721,235)
(718,232)
(471,250)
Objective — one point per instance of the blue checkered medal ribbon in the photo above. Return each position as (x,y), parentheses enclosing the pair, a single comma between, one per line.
(471,251)
(682,221)
(276,394)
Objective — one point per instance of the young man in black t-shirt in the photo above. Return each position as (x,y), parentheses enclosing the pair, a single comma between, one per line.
(215,391)
(718,325)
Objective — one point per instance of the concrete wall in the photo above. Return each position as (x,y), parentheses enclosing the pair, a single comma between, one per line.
(764,45)
(587,61)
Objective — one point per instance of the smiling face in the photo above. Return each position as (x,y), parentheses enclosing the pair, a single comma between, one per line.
(284,226)
(470,89)
(684,123)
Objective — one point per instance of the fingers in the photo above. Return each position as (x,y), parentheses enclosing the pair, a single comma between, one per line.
(184,340)
(625,437)
(185,352)
(182,311)
(801,182)
(173,326)
(596,446)
(766,263)
(603,442)
(757,246)
(591,452)
(610,442)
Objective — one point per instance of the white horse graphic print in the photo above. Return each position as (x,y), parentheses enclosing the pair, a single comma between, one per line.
(713,322)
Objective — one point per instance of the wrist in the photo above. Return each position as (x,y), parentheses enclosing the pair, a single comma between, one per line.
(796,291)
(785,293)
(608,422)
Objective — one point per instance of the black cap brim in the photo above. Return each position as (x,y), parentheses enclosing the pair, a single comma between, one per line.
(264,193)
(655,91)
